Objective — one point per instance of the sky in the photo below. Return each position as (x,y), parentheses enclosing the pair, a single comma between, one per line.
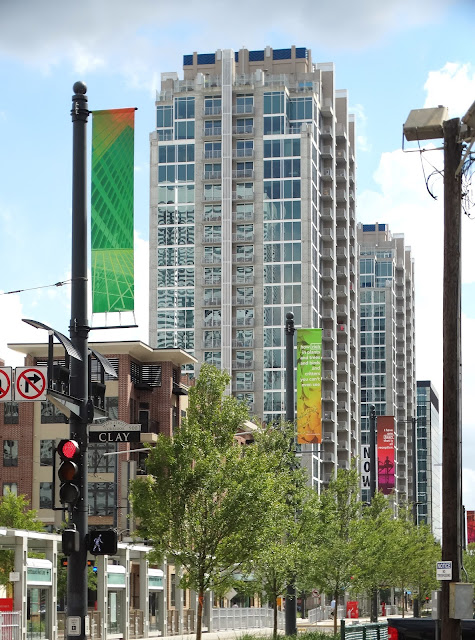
(391,56)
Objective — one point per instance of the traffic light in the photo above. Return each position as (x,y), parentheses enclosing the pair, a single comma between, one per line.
(68,471)
(102,542)
(70,541)
(90,563)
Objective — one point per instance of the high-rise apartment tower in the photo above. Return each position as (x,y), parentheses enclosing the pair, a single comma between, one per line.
(253,215)
(429,458)
(386,310)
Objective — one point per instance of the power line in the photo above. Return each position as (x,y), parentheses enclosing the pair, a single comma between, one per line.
(45,286)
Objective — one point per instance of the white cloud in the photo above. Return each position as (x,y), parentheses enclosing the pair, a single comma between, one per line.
(131,37)
(13,330)
(453,86)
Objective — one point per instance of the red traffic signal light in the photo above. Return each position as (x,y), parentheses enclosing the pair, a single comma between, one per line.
(68,471)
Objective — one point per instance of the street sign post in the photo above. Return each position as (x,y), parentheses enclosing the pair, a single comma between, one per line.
(30,383)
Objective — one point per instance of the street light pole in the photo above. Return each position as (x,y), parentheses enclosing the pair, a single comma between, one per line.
(372,491)
(290,598)
(79,330)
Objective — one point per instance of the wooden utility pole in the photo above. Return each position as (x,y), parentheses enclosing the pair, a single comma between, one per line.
(452,410)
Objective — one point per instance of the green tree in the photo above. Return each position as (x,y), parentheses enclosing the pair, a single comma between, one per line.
(15,514)
(427,552)
(331,550)
(373,545)
(279,560)
(206,501)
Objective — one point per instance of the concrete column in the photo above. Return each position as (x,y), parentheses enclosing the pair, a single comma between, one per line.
(20,594)
(101,564)
(162,602)
(208,610)
(144,594)
(124,559)
(193,607)
(52,555)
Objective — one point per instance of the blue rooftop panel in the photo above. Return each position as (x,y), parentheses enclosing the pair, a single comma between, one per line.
(206,58)
(256,56)
(301,52)
(282,54)
(369,227)
(236,56)
(187,60)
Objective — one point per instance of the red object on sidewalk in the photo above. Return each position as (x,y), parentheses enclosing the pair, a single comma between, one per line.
(352,609)
(6,604)
(383,609)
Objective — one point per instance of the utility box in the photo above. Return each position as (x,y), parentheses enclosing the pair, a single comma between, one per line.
(460,600)
(425,124)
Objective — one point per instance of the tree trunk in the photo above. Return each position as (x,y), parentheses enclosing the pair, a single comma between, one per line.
(199,614)
(335,614)
(275,618)
(403,601)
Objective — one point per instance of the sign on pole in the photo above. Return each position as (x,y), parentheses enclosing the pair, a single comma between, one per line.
(5,384)
(114,431)
(444,570)
(365,466)
(30,383)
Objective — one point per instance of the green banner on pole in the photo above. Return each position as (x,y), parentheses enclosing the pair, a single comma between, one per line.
(112,210)
(309,386)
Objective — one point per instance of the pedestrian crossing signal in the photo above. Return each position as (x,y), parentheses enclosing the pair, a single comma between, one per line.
(102,542)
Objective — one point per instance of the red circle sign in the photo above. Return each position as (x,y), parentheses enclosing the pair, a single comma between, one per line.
(30,384)
(4,391)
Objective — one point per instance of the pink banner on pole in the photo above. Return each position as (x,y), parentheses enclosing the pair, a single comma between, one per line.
(386,477)
(470,526)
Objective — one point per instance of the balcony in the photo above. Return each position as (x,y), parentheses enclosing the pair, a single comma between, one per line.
(341,174)
(327,193)
(243,130)
(212,196)
(329,458)
(327,174)
(210,301)
(243,109)
(243,173)
(327,130)
(341,289)
(212,132)
(327,233)
(328,416)
(214,259)
(327,274)
(212,175)
(327,334)
(342,426)
(329,437)
(342,387)
(243,216)
(342,367)
(340,130)
(243,153)
(341,310)
(341,272)
(211,239)
(327,254)
(243,386)
(342,446)
(211,344)
(243,364)
(327,376)
(340,154)
(212,111)
(243,322)
(243,258)
(212,216)
(326,213)
(326,107)
(327,314)
(326,151)
(243,301)
(327,295)
(247,343)
(341,252)
(243,279)
(211,279)
(247,195)
(341,195)
(212,154)
(327,355)
(342,406)
(243,237)
(213,322)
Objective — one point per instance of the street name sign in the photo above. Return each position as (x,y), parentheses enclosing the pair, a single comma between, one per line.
(6,385)
(114,431)
(444,570)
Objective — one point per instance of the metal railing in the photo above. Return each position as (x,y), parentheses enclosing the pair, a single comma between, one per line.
(245,618)
(371,631)
(10,625)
